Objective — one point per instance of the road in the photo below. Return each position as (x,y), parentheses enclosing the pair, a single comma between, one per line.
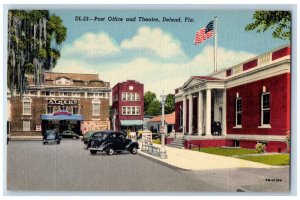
(32,166)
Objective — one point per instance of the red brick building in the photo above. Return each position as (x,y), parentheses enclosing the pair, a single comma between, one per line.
(251,100)
(128,106)
(65,101)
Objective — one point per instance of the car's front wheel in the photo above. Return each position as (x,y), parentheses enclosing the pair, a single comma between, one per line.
(133,150)
(58,142)
(93,151)
(110,151)
(74,138)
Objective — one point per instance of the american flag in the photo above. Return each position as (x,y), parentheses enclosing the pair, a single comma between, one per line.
(204,33)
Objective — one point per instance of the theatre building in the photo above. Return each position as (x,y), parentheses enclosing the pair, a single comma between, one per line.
(65,101)
(241,105)
(128,106)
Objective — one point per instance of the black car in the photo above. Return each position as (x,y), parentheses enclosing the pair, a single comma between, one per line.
(69,134)
(51,136)
(93,135)
(112,142)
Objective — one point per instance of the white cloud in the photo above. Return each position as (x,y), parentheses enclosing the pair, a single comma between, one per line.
(159,42)
(91,45)
(157,76)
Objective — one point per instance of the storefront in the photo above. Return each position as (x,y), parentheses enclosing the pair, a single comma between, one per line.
(62,120)
(131,125)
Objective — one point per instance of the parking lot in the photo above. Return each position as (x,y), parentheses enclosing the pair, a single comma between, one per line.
(32,166)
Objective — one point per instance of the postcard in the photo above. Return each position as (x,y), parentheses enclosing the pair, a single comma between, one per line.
(148,100)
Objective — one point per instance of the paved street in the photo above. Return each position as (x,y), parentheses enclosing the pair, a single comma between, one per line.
(32,166)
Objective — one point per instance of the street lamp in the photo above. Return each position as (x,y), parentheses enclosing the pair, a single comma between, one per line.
(163,153)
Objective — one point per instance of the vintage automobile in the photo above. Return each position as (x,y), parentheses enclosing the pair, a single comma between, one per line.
(96,135)
(69,134)
(51,136)
(111,142)
(86,137)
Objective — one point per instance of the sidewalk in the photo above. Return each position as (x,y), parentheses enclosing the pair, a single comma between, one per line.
(26,138)
(194,160)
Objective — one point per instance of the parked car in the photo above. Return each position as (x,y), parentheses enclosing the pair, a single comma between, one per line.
(87,136)
(51,136)
(69,134)
(112,142)
(100,135)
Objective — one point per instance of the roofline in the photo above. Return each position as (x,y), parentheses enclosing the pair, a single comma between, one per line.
(71,73)
(250,59)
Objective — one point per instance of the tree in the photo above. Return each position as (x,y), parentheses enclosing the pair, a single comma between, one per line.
(33,46)
(170,104)
(278,20)
(154,108)
(148,98)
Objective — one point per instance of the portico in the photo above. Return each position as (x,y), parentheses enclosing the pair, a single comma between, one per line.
(203,102)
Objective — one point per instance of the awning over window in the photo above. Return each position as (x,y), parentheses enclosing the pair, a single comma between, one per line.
(131,122)
(61,117)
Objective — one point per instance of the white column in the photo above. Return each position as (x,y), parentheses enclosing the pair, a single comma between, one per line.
(224,113)
(190,113)
(184,115)
(208,113)
(200,113)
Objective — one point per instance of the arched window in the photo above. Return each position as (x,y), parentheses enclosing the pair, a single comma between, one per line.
(26,106)
(96,107)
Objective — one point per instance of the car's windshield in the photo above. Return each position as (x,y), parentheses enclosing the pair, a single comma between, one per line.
(88,134)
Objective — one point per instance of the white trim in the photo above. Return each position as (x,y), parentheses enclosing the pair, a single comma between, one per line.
(96,102)
(262,125)
(236,112)
(26,125)
(279,138)
(26,100)
(259,73)
(265,126)
(237,126)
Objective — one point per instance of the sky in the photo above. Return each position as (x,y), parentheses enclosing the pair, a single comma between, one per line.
(161,55)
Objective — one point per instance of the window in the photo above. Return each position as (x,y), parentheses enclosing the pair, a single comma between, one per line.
(128,96)
(238,111)
(133,110)
(265,109)
(138,110)
(75,110)
(96,107)
(26,106)
(133,97)
(26,125)
(128,110)
(63,108)
(123,110)
(76,94)
(124,96)
(137,97)
(49,110)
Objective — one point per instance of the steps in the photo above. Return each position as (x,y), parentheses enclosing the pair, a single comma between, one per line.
(177,143)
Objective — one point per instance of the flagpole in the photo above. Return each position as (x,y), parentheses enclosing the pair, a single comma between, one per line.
(216,44)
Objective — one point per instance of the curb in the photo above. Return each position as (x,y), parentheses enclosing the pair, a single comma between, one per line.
(163,163)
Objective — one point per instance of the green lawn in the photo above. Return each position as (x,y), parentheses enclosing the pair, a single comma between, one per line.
(226,151)
(273,159)
(277,159)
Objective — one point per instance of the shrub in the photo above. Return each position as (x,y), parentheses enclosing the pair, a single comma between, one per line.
(260,148)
